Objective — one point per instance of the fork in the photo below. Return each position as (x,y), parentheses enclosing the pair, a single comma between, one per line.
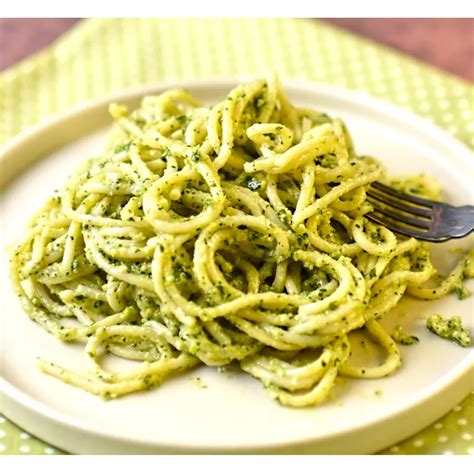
(423,219)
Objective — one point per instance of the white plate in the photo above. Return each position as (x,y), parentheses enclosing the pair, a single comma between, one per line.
(232,414)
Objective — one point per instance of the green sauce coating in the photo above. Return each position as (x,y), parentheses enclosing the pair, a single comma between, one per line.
(449,329)
(402,338)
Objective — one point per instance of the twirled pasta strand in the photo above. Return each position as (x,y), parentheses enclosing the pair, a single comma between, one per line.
(236,232)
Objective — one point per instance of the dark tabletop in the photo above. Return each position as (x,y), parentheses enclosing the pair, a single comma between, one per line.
(445,43)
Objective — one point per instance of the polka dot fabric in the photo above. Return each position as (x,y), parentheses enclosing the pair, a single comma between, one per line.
(452,434)
(102,56)
(13,440)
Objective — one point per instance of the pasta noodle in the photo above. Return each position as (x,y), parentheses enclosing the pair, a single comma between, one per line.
(209,235)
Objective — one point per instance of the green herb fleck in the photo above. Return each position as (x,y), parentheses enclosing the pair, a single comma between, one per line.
(462,292)
(122,147)
(405,339)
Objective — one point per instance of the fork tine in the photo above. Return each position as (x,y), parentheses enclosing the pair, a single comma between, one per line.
(398,194)
(396,216)
(416,233)
(390,201)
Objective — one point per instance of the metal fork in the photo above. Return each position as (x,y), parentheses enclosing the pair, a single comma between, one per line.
(423,219)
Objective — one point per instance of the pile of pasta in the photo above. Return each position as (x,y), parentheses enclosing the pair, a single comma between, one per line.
(235,233)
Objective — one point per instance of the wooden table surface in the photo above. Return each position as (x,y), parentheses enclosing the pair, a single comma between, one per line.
(445,43)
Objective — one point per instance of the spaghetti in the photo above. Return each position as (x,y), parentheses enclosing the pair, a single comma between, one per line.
(207,235)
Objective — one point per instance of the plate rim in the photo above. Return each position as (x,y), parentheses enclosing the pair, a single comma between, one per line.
(454,377)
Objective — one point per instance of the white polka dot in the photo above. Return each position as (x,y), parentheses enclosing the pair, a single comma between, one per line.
(444,104)
(49,450)
(398,86)
(2,433)
(396,72)
(425,106)
(448,117)
(443,439)
(395,449)
(462,421)
(440,92)
(341,81)
(453,129)
(25,449)
(470,450)
(421,94)
(374,62)
(457,408)
(2,447)
(402,97)
(418,81)
(458,90)
(447,453)
(464,103)
(470,127)
(438,426)
(466,115)
(466,436)
(25,435)
(377,75)
(2,420)
(418,443)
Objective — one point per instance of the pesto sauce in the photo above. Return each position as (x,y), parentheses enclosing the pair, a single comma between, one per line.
(449,329)
(402,338)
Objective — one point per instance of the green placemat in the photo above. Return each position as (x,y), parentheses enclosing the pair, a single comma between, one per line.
(102,56)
